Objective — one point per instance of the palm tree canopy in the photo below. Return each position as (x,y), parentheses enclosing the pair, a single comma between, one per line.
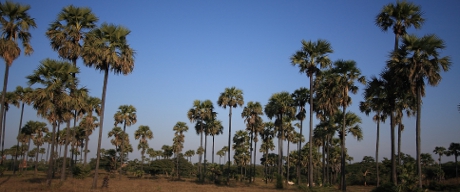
(301,97)
(126,114)
(143,133)
(69,29)
(400,16)
(15,21)
(180,127)
(106,48)
(311,55)
(231,97)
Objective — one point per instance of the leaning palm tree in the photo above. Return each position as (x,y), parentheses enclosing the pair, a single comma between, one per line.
(143,133)
(374,100)
(418,59)
(15,21)
(231,97)
(106,48)
(399,17)
(301,97)
(50,101)
(308,58)
(179,128)
(125,115)
(345,73)
(280,106)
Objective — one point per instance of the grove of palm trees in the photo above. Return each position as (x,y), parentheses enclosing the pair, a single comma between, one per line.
(225,95)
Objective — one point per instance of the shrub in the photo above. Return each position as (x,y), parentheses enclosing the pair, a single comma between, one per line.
(80,171)
(279,181)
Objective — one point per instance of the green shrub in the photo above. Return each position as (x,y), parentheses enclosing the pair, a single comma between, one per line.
(80,171)
(279,181)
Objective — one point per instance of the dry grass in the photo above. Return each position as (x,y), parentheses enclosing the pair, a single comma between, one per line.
(10,183)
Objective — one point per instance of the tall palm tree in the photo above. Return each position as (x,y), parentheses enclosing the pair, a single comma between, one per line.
(179,129)
(251,115)
(21,93)
(15,21)
(118,136)
(281,106)
(440,151)
(195,114)
(308,58)
(301,97)
(399,17)
(454,150)
(346,73)
(143,133)
(50,101)
(419,59)
(231,97)
(13,99)
(106,48)
(267,135)
(38,129)
(208,117)
(214,127)
(125,115)
(374,100)
(93,104)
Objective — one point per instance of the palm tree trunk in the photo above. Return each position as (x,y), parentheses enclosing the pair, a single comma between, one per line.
(36,161)
(342,160)
(377,151)
(323,177)
(3,136)
(399,142)
(250,155)
(122,149)
(66,145)
(2,106)
(229,146)
(299,148)
(101,122)
(310,157)
(287,163)
(51,161)
(205,148)
(418,132)
(393,160)
(200,155)
(86,149)
(254,169)
(17,143)
(213,149)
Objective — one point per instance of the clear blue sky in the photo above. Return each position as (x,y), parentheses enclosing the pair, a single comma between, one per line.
(187,50)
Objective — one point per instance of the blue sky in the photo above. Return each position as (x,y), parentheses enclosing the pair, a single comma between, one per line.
(188,50)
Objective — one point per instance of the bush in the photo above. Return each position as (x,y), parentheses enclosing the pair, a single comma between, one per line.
(80,171)
(279,181)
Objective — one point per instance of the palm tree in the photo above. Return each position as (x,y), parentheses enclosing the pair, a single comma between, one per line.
(418,59)
(208,117)
(125,115)
(93,104)
(267,142)
(50,102)
(308,58)
(399,17)
(15,21)
(374,100)
(251,115)
(214,127)
(346,73)
(38,128)
(106,48)
(301,97)
(69,29)
(21,93)
(143,133)
(221,153)
(179,128)
(118,137)
(10,98)
(195,114)
(281,106)
(454,149)
(231,97)
(190,153)
(440,151)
